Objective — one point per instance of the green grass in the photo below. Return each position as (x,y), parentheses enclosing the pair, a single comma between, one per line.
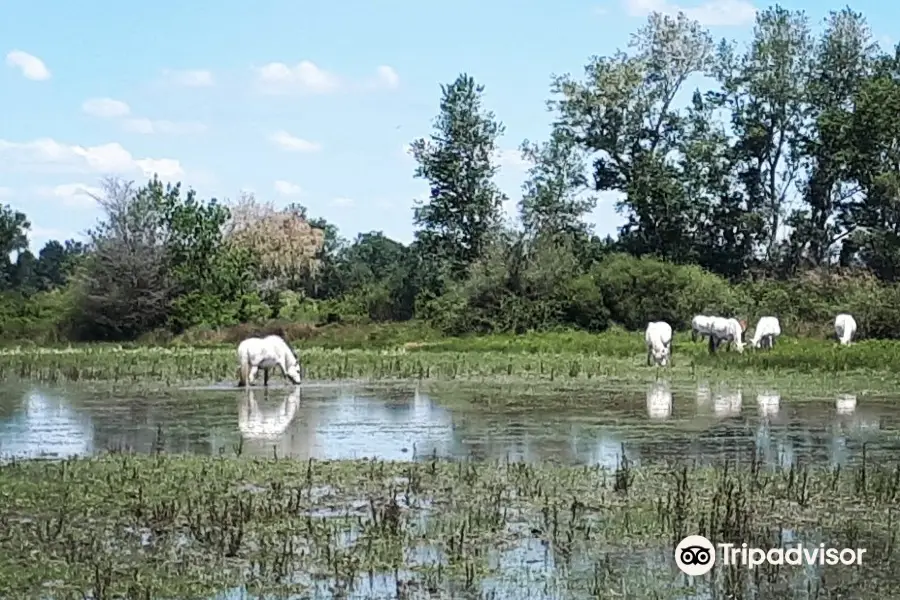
(614,354)
(158,526)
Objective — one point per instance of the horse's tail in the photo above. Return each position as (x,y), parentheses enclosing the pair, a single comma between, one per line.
(244,374)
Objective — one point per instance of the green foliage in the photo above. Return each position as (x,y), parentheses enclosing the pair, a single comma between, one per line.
(463,208)
(771,192)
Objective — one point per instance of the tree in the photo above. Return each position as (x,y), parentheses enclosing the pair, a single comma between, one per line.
(56,262)
(554,202)
(125,288)
(463,208)
(874,166)
(283,243)
(623,115)
(843,62)
(764,90)
(14,228)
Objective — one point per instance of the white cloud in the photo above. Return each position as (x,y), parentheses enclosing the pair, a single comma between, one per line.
(388,77)
(343,202)
(5,192)
(710,13)
(512,159)
(291,143)
(286,188)
(31,66)
(148,126)
(190,77)
(105,108)
(75,195)
(110,158)
(304,77)
(48,233)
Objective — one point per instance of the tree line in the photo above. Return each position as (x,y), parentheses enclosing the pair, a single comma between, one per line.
(772,186)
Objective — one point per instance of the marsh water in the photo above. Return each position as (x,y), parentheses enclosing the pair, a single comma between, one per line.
(590,425)
(406,422)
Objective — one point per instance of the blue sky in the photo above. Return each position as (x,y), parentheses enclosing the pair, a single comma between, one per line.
(297,101)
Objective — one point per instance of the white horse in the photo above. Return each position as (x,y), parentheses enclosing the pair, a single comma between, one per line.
(266,353)
(254,423)
(700,327)
(844,328)
(767,329)
(659,342)
(726,330)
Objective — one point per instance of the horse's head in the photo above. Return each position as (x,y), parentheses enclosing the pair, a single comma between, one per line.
(295,371)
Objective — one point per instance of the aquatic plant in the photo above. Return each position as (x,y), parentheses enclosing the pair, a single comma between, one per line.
(123,525)
(611,355)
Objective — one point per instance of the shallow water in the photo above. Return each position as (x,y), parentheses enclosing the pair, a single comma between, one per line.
(403,422)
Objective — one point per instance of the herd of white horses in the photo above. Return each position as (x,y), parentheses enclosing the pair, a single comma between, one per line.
(729,330)
(272,351)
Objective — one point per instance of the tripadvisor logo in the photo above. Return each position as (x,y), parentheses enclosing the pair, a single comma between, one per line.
(696,555)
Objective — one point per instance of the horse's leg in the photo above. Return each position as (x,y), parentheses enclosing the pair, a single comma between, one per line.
(694,335)
(712,345)
(252,377)
(265,377)
(648,357)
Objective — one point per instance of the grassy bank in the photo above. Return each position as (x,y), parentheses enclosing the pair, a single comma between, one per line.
(165,526)
(399,353)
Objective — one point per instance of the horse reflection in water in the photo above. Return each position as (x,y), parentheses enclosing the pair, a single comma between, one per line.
(727,403)
(768,404)
(256,424)
(773,448)
(659,400)
(853,421)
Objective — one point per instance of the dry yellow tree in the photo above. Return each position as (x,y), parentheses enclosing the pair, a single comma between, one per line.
(285,245)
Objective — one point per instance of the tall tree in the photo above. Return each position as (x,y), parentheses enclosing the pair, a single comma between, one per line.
(554,201)
(463,208)
(125,288)
(14,227)
(875,132)
(843,61)
(624,115)
(764,90)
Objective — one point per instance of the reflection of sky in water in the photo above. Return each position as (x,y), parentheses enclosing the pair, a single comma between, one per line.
(349,421)
(46,425)
(357,427)
(603,447)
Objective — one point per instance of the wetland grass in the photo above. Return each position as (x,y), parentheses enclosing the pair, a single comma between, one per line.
(167,526)
(547,357)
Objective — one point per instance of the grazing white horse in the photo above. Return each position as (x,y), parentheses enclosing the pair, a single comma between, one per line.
(266,353)
(659,401)
(254,423)
(726,330)
(659,342)
(844,328)
(767,329)
(700,327)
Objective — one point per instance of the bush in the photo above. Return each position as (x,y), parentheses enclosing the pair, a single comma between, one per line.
(640,290)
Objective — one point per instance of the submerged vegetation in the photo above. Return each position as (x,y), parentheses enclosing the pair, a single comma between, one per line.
(156,526)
